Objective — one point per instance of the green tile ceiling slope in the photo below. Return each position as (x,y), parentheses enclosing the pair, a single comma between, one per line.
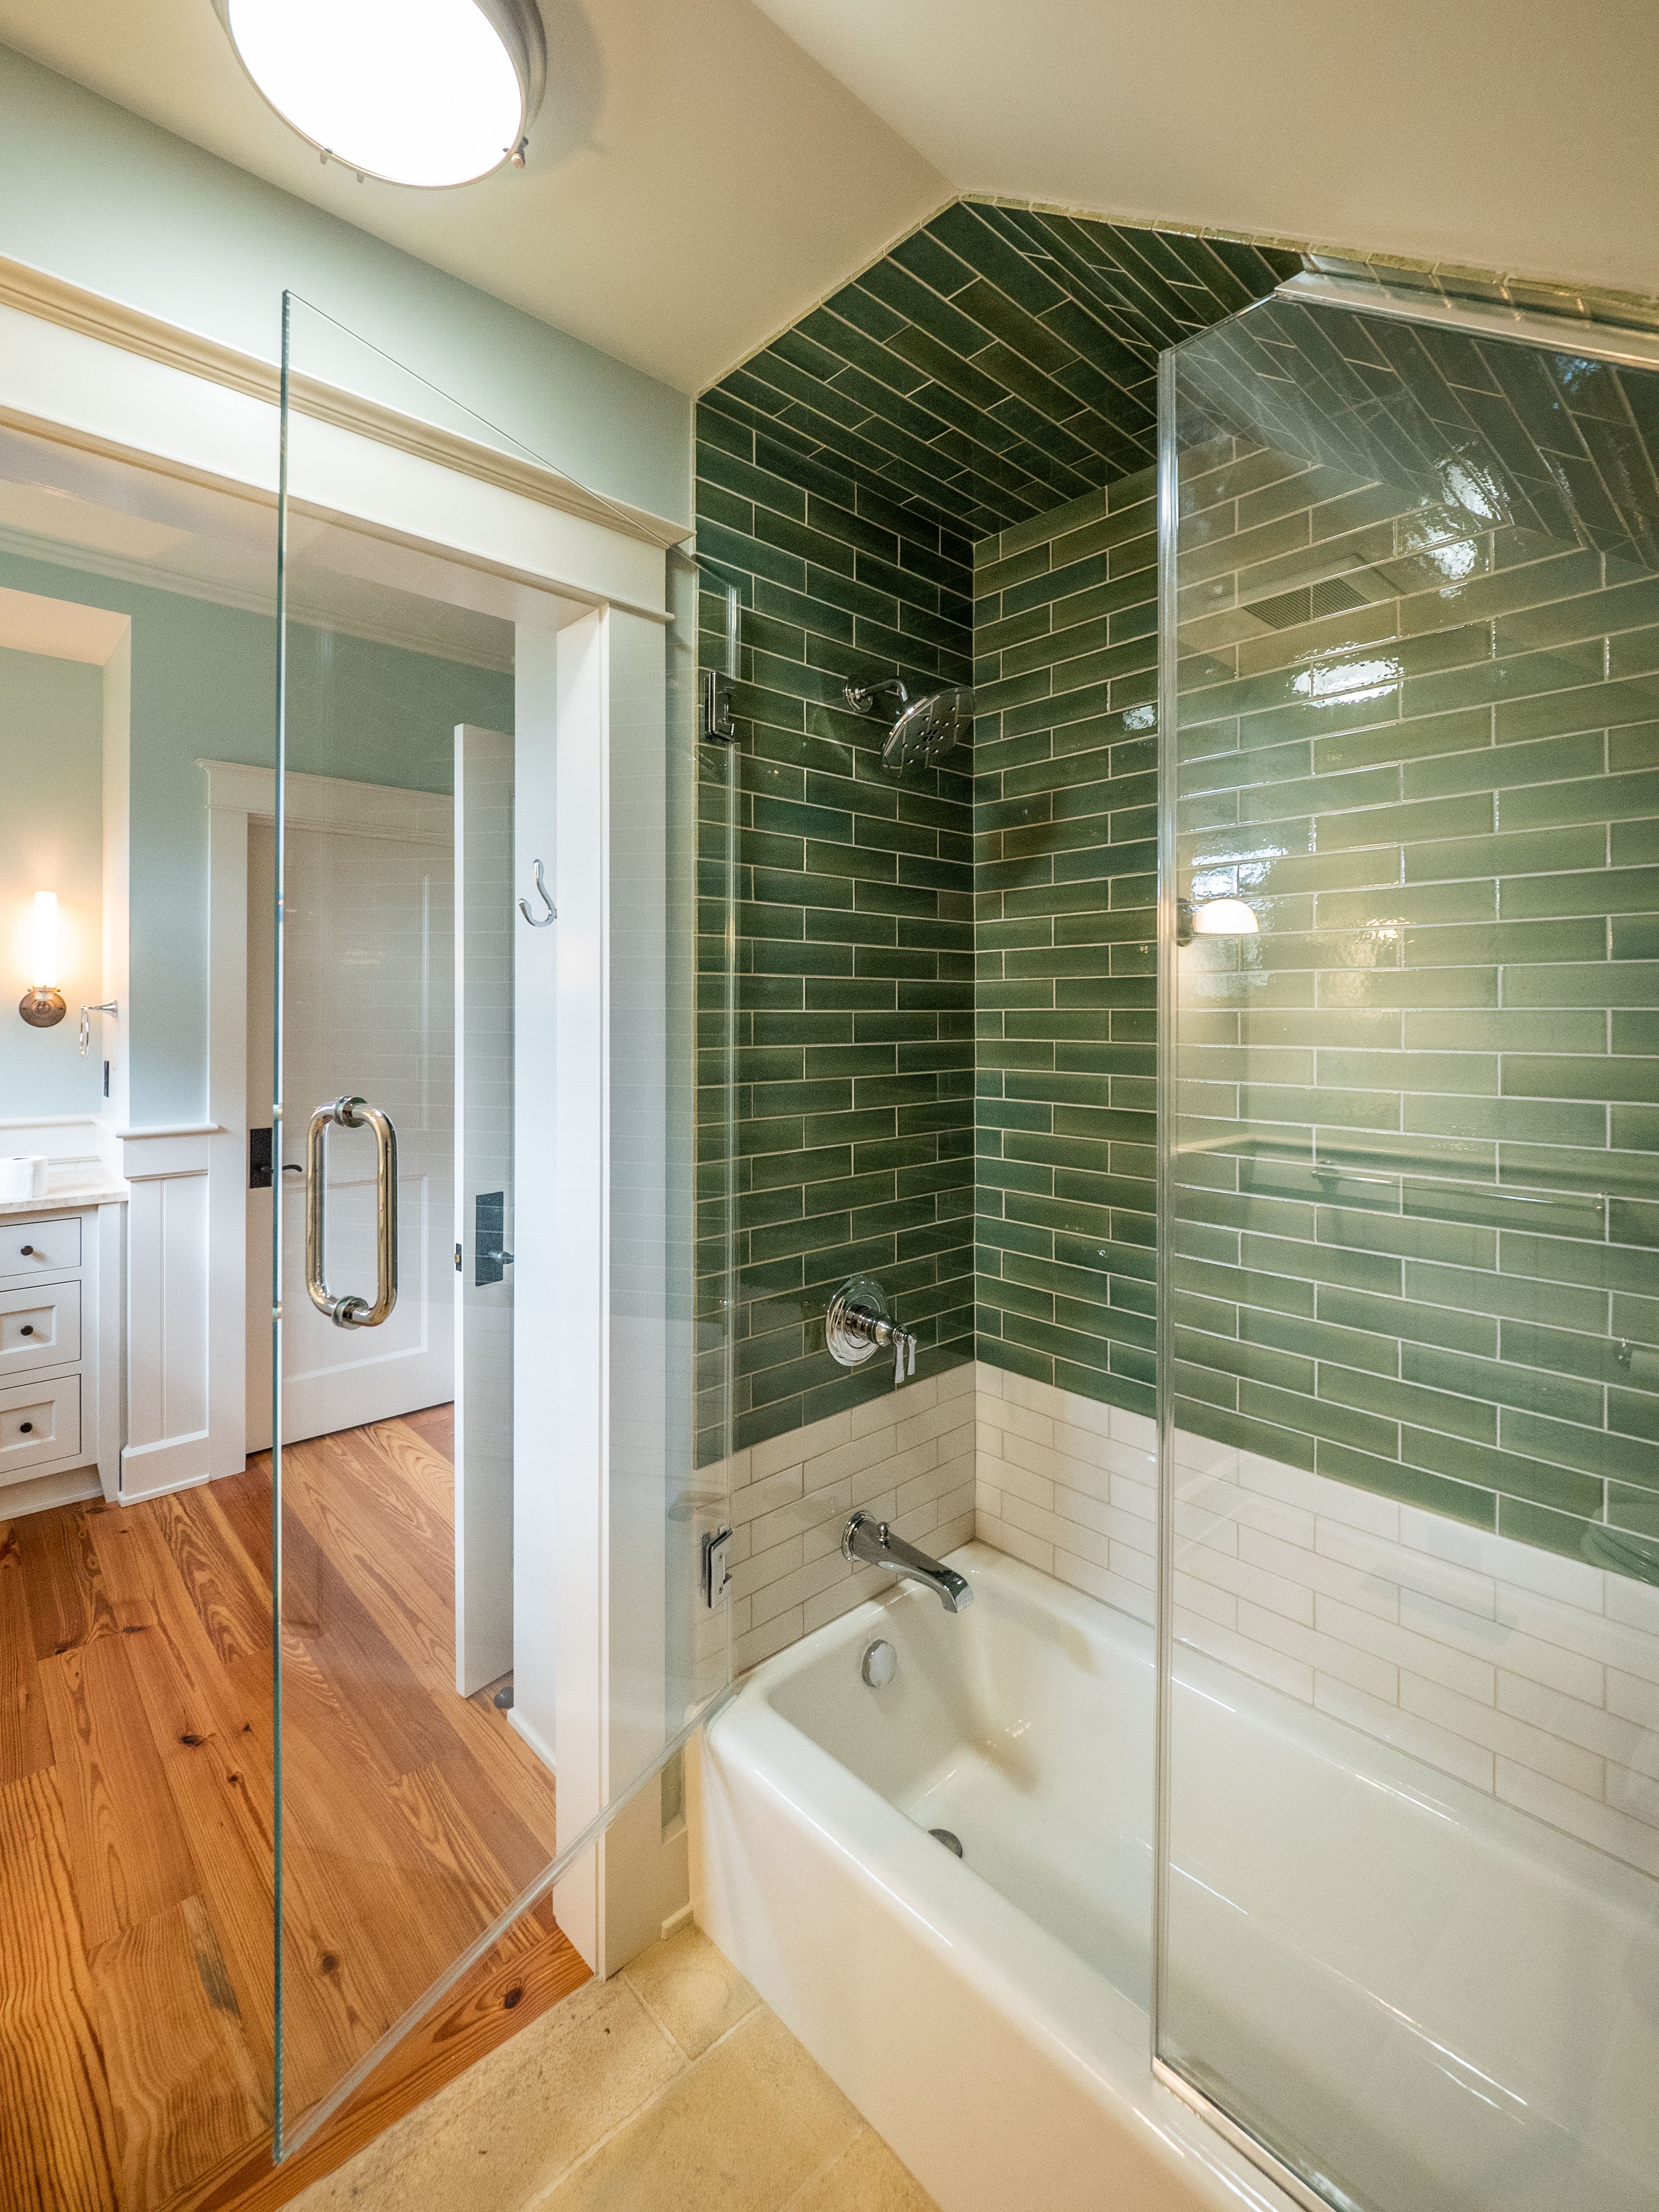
(998,362)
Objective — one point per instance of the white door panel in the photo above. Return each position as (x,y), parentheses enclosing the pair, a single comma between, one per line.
(368,930)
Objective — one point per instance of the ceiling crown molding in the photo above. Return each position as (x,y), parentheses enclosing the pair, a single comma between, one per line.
(51,299)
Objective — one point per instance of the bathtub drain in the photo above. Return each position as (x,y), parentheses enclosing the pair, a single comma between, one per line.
(944,1835)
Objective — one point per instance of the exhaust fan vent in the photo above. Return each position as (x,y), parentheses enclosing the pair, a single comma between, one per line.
(1310,604)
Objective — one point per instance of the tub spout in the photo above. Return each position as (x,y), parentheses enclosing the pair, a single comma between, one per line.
(868,1543)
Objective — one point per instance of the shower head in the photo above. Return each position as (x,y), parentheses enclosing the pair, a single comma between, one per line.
(926,729)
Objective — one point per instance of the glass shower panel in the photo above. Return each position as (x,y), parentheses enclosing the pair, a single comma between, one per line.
(482,1250)
(137,665)
(1409,1251)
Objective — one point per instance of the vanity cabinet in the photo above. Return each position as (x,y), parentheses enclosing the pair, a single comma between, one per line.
(60,1306)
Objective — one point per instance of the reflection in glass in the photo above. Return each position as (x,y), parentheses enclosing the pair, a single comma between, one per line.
(1410,1849)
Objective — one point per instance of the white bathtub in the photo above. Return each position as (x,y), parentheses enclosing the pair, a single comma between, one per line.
(987,2015)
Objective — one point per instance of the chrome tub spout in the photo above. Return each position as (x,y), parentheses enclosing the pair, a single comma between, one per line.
(868,1543)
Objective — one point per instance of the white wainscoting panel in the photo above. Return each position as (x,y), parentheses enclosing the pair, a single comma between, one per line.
(168,1366)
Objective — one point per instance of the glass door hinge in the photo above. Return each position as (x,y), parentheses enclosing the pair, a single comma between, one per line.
(718,720)
(716,1568)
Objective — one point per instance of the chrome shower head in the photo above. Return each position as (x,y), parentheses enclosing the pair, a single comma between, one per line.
(926,729)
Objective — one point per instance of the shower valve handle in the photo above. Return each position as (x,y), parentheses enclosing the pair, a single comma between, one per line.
(858,1325)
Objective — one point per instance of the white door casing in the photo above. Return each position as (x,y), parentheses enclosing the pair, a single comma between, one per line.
(485,917)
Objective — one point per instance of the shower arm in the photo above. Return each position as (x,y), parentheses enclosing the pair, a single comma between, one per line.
(862,697)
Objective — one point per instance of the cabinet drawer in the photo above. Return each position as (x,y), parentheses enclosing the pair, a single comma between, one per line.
(39,1248)
(39,1422)
(39,1328)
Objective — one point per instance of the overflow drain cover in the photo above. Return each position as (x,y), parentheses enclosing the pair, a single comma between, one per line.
(944,1835)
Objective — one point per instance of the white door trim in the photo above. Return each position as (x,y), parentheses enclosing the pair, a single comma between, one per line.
(58,382)
(53,299)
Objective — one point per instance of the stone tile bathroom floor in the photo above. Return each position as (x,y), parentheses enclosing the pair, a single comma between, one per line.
(669,2088)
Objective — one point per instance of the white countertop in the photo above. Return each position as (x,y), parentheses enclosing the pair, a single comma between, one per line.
(67,1198)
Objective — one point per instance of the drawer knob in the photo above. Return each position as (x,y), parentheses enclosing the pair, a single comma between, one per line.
(29,1251)
(28,1329)
(24,1427)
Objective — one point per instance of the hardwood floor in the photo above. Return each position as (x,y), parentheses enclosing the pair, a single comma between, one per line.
(136,1781)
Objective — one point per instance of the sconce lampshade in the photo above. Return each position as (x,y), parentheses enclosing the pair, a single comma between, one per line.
(1224,917)
(42,1005)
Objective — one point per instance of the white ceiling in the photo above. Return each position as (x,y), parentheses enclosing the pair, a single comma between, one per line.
(697,178)
(1517,135)
(695,181)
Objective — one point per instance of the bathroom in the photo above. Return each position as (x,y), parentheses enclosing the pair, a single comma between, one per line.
(832,1354)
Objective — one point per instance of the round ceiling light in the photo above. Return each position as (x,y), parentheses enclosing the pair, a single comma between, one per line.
(412,92)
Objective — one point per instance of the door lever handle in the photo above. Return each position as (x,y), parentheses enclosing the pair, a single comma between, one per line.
(539,921)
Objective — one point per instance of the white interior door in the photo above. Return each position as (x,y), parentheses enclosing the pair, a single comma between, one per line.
(369,929)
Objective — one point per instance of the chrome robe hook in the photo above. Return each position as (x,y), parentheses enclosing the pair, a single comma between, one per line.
(539,921)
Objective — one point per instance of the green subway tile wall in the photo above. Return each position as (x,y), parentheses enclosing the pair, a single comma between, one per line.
(1418,1208)
(1065,880)
(1419,1219)
(850,1108)
(987,379)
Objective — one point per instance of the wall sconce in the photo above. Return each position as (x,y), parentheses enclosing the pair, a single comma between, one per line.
(1224,917)
(42,1005)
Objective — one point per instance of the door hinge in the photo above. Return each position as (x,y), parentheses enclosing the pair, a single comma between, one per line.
(718,722)
(457,1259)
(716,1568)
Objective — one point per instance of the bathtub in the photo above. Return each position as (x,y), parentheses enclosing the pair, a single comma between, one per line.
(988,2014)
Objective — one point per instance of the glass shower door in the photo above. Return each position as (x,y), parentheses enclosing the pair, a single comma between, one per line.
(483,1387)
(1409,1250)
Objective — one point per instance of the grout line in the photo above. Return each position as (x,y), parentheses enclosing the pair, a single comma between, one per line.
(819,2174)
(654,2015)
(687,2068)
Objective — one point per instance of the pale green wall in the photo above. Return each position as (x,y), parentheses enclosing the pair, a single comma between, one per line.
(204,689)
(105,200)
(51,840)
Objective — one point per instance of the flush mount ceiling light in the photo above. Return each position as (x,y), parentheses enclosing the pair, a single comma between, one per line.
(410,92)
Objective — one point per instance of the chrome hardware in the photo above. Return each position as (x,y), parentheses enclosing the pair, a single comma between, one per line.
(861,697)
(923,730)
(880,1664)
(858,1325)
(867,1543)
(718,719)
(109,1006)
(716,1568)
(949,1838)
(490,1257)
(346,1311)
(539,921)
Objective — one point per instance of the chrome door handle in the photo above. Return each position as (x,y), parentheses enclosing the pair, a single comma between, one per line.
(344,1310)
